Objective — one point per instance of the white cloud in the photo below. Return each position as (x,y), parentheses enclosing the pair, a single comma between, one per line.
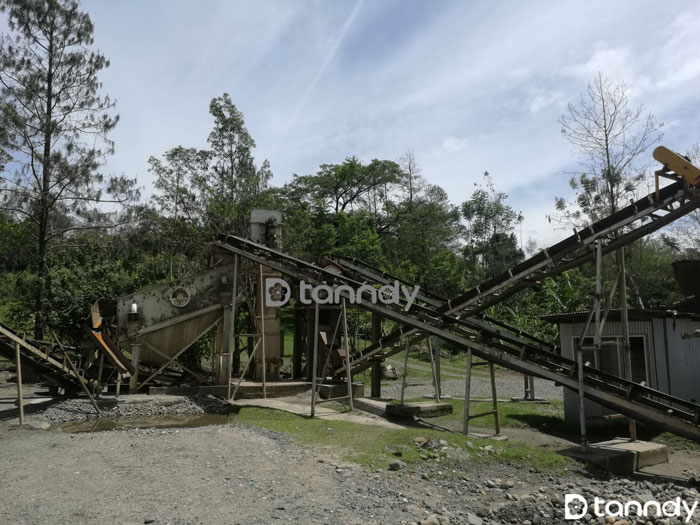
(454,144)
(612,60)
(543,99)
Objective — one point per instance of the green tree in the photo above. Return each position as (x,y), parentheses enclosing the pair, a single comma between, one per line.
(340,187)
(491,246)
(178,208)
(233,185)
(56,126)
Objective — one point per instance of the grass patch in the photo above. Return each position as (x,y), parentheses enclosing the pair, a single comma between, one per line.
(419,367)
(373,446)
(543,417)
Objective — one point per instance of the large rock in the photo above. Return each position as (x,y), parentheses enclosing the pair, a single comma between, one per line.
(396,464)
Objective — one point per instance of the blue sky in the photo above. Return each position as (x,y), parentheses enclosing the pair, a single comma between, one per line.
(469,86)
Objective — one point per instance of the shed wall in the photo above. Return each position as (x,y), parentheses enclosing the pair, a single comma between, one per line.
(672,363)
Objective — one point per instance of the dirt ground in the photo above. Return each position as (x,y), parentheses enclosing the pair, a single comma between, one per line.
(217,474)
(233,473)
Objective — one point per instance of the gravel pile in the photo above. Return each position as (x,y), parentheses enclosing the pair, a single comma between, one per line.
(72,410)
(457,489)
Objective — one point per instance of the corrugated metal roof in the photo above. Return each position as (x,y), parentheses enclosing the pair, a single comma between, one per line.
(614,315)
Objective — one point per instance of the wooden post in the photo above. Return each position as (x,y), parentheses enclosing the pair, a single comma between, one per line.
(315,362)
(20,398)
(494,398)
(467,392)
(119,385)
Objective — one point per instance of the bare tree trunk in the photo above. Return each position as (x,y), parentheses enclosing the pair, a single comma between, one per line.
(42,270)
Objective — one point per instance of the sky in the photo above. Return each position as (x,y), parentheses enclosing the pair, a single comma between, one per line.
(468,86)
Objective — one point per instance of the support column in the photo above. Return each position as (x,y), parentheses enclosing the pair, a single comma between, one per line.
(99,374)
(20,398)
(433,369)
(135,359)
(298,342)
(376,389)
(467,392)
(376,378)
(314,371)
(624,317)
(405,372)
(348,373)
(231,332)
(438,375)
(133,323)
(494,398)
(581,399)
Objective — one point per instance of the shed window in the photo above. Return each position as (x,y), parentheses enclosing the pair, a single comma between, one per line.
(609,358)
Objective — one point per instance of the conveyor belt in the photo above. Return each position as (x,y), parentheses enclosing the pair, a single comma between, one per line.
(459,320)
(39,359)
(643,403)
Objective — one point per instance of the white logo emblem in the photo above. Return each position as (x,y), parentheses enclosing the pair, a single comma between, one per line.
(277,292)
(575,507)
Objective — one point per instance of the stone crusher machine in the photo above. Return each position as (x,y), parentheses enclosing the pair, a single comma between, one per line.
(460,320)
(135,337)
(157,325)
